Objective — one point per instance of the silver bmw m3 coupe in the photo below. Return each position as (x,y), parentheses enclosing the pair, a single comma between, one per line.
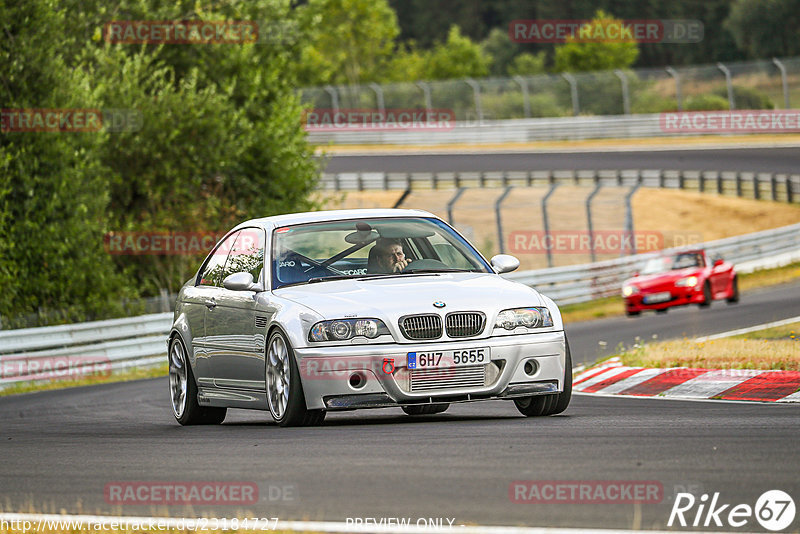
(307,313)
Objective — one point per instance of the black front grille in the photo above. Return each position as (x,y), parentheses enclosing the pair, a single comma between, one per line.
(464,324)
(427,326)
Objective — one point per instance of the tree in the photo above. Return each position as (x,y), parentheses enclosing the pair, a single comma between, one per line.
(349,41)
(765,28)
(527,64)
(593,48)
(458,57)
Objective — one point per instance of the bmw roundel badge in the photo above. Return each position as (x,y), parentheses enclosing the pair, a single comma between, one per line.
(439,304)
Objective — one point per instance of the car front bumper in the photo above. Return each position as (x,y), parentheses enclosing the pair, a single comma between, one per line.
(679,296)
(375,376)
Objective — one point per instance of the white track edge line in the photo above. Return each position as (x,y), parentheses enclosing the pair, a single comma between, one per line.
(316,526)
(749,329)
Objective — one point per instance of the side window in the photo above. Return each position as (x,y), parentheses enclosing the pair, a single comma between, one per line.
(211,273)
(247,254)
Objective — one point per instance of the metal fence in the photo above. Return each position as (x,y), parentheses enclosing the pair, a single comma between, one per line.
(524,213)
(740,85)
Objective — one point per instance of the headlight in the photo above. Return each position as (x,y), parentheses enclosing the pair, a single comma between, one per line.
(689,281)
(343,329)
(627,291)
(527,317)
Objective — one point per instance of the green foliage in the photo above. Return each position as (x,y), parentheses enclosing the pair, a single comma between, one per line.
(746,97)
(502,51)
(705,102)
(527,64)
(220,140)
(577,55)
(349,41)
(765,28)
(458,57)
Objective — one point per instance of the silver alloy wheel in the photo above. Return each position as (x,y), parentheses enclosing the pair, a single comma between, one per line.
(178,382)
(278,376)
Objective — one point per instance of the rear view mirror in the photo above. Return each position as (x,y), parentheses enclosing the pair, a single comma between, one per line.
(718,262)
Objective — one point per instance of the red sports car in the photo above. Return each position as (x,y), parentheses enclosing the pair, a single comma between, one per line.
(686,277)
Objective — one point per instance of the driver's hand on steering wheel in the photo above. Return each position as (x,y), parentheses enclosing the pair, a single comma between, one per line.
(399,265)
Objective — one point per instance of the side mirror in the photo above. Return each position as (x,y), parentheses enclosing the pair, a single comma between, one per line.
(240,282)
(718,262)
(504,263)
(635,274)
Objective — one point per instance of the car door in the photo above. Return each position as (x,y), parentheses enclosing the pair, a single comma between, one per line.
(718,276)
(235,342)
(200,299)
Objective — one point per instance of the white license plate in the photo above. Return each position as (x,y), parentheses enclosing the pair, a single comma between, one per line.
(448,358)
(655,298)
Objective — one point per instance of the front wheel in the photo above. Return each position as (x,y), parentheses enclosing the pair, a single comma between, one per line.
(706,295)
(183,391)
(285,397)
(539,405)
(734,297)
(426,409)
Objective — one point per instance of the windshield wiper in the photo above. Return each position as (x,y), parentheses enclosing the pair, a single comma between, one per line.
(340,277)
(412,271)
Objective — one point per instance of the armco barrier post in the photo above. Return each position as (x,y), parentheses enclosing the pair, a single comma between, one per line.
(378,96)
(453,203)
(334,98)
(672,72)
(526,99)
(626,101)
(729,83)
(426,91)
(476,89)
(573,89)
(589,225)
(497,215)
(546,223)
(784,82)
(629,216)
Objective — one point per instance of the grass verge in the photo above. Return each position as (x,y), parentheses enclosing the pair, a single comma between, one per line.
(770,349)
(123,376)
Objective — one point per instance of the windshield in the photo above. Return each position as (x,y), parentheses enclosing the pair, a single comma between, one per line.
(678,261)
(356,248)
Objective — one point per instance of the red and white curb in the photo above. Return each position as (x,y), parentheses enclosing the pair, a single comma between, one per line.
(613,378)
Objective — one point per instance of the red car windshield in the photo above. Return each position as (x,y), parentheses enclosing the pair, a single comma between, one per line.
(678,261)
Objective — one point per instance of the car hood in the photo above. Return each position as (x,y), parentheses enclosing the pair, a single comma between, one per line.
(658,279)
(395,296)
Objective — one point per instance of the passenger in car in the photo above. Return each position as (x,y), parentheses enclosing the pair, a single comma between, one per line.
(387,257)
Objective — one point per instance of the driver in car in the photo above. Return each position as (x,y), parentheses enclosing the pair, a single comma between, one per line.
(389,256)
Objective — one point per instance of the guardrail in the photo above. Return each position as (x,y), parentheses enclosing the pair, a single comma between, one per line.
(32,354)
(75,350)
(757,185)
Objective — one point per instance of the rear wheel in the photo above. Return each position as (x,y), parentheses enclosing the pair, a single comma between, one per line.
(539,405)
(285,398)
(183,390)
(662,311)
(734,298)
(426,409)
(632,313)
(706,295)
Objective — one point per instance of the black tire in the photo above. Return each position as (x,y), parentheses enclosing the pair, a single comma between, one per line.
(632,313)
(706,296)
(295,413)
(425,409)
(193,413)
(540,405)
(734,298)
(662,311)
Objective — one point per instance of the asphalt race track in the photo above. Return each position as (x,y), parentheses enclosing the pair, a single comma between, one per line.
(59,449)
(780,160)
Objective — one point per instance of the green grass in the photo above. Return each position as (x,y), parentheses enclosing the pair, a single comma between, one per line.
(788,331)
(123,376)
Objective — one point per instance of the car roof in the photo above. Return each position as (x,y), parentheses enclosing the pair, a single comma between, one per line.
(331,215)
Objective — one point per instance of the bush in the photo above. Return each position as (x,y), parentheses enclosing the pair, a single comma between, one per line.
(706,102)
(746,97)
